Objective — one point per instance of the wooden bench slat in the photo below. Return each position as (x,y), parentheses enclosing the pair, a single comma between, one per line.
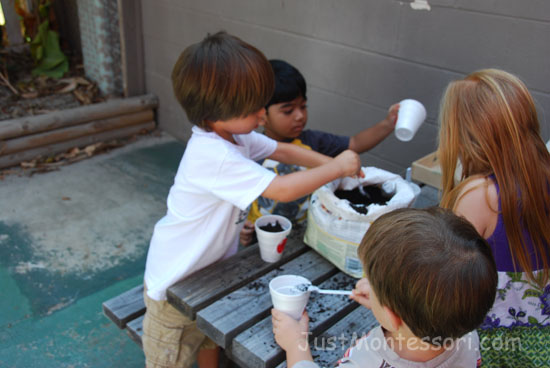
(331,345)
(134,329)
(256,346)
(125,307)
(251,303)
(219,279)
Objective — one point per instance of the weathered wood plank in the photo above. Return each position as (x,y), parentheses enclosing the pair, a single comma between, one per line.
(331,345)
(131,45)
(64,134)
(16,158)
(134,329)
(125,307)
(13,25)
(75,116)
(256,346)
(219,279)
(229,316)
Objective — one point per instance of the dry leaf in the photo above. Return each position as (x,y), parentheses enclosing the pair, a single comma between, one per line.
(82,81)
(82,97)
(73,152)
(66,198)
(70,87)
(91,149)
(33,94)
(28,164)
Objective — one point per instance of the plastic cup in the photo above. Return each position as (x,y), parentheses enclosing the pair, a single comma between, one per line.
(272,243)
(286,298)
(409,118)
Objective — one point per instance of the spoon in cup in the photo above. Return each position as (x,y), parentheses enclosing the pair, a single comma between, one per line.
(309,287)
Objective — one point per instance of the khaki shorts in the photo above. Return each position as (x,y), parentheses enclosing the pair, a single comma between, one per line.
(170,339)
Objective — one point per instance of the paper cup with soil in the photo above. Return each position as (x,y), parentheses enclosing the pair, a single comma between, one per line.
(272,232)
(287,296)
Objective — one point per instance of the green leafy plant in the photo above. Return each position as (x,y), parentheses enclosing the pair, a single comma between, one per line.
(47,54)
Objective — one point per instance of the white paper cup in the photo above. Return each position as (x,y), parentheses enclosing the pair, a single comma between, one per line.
(409,118)
(271,243)
(287,299)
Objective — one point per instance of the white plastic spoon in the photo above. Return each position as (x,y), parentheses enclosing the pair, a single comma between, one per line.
(306,287)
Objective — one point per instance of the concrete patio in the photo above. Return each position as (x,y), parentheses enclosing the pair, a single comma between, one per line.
(71,239)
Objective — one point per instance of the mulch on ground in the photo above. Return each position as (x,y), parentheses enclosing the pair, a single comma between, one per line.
(23,94)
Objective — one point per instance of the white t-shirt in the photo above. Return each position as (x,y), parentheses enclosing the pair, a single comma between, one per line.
(215,183)
(373,351)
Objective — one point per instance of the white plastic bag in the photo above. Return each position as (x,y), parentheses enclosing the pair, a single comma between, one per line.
(335,229)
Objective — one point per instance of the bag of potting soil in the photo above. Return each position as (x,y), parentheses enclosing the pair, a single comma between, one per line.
(339,214)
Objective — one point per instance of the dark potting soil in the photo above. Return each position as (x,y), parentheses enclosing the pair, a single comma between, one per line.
(360,202)
(272,228)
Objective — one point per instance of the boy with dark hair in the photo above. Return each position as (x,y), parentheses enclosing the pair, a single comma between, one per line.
(285,122)
(223,85)
(430,281)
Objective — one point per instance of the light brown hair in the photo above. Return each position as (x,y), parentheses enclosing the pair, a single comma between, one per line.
(432,269)
(489,123)
(220,78)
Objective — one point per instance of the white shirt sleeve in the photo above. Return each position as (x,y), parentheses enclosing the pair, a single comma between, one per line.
(259,145)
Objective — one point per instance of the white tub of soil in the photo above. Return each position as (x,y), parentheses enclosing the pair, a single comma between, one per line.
(339,215)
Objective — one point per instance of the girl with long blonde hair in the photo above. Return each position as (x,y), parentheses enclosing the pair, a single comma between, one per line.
(489,127)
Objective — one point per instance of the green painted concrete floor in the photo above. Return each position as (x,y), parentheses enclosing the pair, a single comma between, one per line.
(71,239)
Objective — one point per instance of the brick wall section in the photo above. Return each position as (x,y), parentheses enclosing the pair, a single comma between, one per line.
(360,56)
(100,39)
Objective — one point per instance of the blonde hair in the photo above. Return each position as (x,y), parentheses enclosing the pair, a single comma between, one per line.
(489,123)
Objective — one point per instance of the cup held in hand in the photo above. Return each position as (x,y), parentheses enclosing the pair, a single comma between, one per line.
(272,232)
(286,297)
(409,118)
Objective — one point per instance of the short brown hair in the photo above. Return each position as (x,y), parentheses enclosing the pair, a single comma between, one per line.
(220,78)
(432,269)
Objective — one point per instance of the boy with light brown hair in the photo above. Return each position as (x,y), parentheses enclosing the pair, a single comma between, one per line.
(223,84)
(430,281)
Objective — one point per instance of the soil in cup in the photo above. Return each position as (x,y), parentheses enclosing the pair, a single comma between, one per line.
(272,228)
(290,290)
(360,202)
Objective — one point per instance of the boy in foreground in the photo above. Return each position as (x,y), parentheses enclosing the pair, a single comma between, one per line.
(430,281)
(223,85)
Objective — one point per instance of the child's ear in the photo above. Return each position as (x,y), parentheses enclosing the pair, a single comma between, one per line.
(393,318)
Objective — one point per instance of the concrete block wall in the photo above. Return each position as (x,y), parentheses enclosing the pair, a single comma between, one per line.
(360,56)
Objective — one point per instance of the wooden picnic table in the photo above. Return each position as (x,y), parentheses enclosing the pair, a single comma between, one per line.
(232,305)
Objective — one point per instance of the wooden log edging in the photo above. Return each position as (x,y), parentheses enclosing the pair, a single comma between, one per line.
(45,135)
(59,135)
(17,158)
(64,118)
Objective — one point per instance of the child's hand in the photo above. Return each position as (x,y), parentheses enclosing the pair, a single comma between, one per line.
(247,233)
(349,163)
(361,293)
(391,118)
(289,333)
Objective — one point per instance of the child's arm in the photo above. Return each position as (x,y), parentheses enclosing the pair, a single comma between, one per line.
(478,203)
(289,187)
(293,154)
(370,137)
(292,336)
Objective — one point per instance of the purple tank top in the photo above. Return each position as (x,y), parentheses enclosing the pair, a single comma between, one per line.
(498,241)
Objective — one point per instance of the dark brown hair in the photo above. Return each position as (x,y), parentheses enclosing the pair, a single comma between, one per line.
(432,269)
(220,78)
